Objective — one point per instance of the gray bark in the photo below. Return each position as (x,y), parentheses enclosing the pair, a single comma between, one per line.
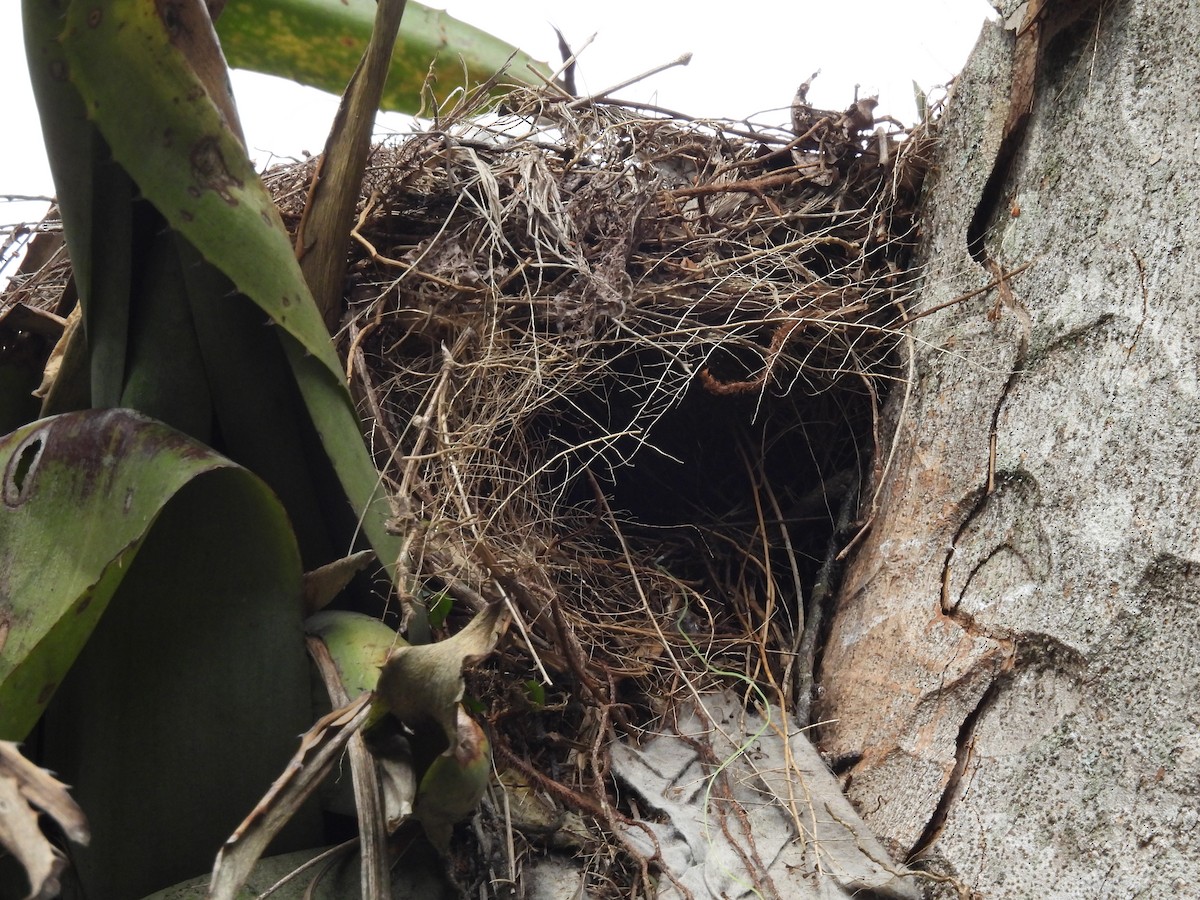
(1015,659)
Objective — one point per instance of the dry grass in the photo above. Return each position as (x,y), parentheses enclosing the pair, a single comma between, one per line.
(621,370)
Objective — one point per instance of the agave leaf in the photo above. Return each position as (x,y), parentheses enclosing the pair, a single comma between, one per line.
(149,82)
(319,43)
(96,199)
(164,365)
(81,492)
(167,581)
(260,414)
(173,137)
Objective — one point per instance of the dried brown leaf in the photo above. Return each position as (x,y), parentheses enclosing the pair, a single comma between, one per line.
(26,790)
(320,748)
(323,584)
(426,682)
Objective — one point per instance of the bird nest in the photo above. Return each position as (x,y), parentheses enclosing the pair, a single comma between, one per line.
(623,373)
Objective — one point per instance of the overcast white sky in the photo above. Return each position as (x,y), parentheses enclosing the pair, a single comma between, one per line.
(747,58)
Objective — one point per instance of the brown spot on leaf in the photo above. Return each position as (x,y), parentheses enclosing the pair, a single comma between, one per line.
(46,693)
(211,172)
(173,15)
(95,17)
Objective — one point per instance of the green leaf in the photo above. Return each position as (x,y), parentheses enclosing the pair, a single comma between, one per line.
(358,643)
(454,783)
(81,492)
(164,364)
(170,134)
(167,580)
(154,308)
(146,76)
(95,198)
(319,43)
(260,415)
(439,606)
(536,692)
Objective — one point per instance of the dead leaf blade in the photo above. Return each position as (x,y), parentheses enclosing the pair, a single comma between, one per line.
(320,748)
(425,682)
(26,789)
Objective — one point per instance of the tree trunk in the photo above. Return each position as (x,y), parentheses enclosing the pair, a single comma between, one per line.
(1014,664)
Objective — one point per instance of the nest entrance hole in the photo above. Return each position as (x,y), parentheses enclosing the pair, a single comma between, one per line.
(717,470)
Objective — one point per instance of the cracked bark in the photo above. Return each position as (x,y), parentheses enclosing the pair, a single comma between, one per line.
(1009,667)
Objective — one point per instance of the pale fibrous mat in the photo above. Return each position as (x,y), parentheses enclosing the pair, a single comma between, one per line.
(622,369)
